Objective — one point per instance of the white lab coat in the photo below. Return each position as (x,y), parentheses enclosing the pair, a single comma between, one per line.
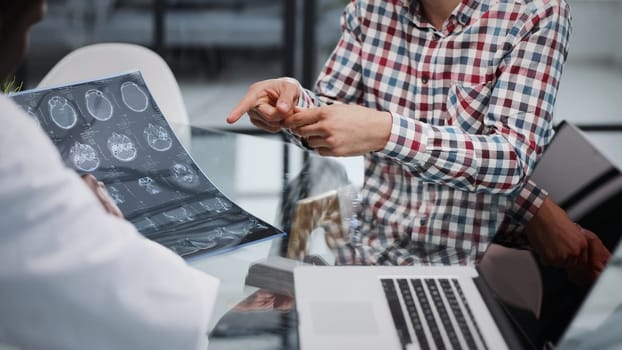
(74,277)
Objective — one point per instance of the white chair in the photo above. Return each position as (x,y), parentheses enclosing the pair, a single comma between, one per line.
(100,60)
(514,276)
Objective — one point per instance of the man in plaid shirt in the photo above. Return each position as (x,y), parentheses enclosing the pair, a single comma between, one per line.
(451,103)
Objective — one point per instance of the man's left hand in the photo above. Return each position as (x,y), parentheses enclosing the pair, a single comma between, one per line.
(586,274)
(341,130)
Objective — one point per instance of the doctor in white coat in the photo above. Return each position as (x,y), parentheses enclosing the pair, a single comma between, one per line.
(73,276)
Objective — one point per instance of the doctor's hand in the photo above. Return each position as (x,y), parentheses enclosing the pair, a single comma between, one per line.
(98,188)
(341,130)
(267,103)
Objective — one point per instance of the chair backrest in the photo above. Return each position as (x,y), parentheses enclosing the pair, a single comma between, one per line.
(100,60)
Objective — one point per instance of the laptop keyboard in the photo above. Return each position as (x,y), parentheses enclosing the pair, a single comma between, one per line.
(432,313)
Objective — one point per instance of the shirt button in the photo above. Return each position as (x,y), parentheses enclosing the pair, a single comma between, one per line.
(425,79)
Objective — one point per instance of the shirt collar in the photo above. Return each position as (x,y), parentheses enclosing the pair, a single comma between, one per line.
(463,12)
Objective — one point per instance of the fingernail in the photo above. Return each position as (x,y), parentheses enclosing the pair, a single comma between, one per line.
(284,105)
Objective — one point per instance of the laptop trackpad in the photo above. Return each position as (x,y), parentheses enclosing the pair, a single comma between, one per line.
(339,318)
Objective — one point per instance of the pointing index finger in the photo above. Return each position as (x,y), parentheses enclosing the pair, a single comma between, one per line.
(247,103)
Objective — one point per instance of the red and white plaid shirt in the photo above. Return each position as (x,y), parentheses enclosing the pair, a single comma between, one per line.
(472,110)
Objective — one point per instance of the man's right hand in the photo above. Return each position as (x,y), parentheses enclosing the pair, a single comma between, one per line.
(559,242)
(267,103)
(598,257)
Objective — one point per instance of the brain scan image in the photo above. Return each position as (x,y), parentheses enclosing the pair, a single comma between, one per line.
(98,105)
(242,228)
(62,112)
(145,224)
(158,138)
(216,205)
(121,147)
(84,157)
(116,195)
(180,215)
(202,243)
(134,97)
(149,185)
(184,175)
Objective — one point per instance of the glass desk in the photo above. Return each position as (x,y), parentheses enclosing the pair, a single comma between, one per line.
(257,173)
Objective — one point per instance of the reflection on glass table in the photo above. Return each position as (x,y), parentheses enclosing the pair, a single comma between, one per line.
(264,320)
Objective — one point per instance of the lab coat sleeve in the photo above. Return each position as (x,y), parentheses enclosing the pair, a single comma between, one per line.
(74,277)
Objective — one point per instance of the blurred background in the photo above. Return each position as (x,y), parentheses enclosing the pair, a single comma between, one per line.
(216,48)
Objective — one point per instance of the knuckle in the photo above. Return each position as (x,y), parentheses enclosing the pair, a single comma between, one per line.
(332,143)
(270,118)
(257,124)
(254,86)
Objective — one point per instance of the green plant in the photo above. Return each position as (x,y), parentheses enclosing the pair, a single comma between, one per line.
(11,85)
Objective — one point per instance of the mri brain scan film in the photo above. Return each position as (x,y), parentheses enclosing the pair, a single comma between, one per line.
(98,105)
(158,138)
(184,175)
(111,129)
(149,185)
(62,112)
(84,157)
(134,97)
(116,195)
(121,147)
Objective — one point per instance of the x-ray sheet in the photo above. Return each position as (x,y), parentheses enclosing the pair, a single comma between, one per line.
(113,129)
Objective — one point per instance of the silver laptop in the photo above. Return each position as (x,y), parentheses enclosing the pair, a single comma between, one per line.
(440,307)
(373,307)
(393,307)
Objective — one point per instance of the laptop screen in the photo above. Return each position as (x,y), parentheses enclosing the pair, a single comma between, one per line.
(583,182)
(597,324)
